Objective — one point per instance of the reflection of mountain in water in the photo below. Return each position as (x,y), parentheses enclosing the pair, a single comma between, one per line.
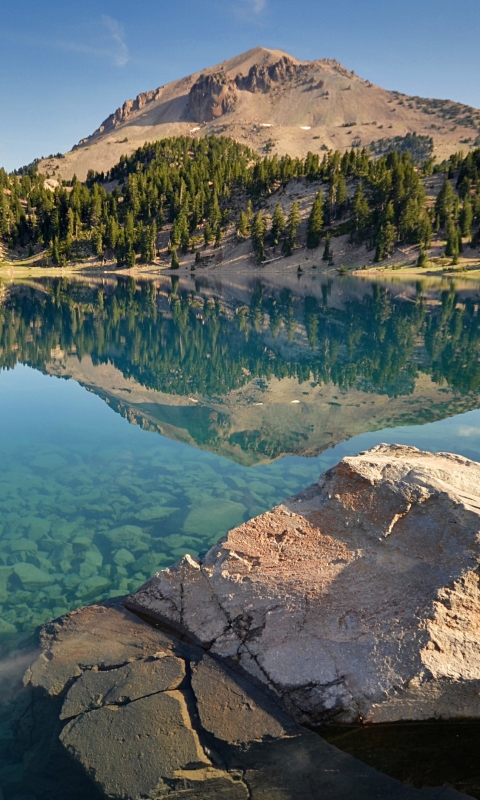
(253,374)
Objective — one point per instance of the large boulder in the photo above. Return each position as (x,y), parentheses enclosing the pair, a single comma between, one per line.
(114,708)
(356,600)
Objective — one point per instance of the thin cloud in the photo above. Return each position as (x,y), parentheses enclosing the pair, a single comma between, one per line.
(117,51)
(250,10)
(116,31)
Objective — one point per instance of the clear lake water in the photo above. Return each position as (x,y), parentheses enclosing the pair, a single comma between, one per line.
(142,421)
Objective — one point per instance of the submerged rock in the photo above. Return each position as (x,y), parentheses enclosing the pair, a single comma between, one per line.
(114,708)
(356,600)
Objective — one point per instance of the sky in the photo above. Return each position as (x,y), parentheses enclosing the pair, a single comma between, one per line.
(65,66)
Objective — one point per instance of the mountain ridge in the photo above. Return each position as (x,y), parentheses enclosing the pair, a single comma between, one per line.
(273,102)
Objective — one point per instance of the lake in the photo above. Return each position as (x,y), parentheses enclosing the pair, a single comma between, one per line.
(144,419)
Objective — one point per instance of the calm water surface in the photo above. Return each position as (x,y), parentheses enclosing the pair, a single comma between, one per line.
(141,422)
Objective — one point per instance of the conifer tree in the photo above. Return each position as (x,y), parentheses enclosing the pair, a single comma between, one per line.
(131,260)
(259,227)
(444,204)
(175,262)
(466,217)
(293,224)
(278,224)
(387,235)
(361,211)
(207,234)
(315,223)
(243,225)
(452,247)
(422,258)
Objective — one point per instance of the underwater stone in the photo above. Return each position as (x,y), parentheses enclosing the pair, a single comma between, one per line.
(23,546)
(48,461)
(261,488)
(149,562)
(92,587)
(123,557)
(30,576)
(154,513)
(87,570)
(129,535)
(214,518)
(82,542)
(6,627)
(93,556)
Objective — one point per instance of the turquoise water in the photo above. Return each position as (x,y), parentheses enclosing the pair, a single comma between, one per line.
(143,421)
(91,506)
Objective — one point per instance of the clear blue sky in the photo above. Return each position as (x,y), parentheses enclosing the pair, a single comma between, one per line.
(66,65)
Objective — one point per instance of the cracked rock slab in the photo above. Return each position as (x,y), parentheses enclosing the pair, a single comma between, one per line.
(232,709)
(152,717)
(358,599)
(96,688)
(130,750)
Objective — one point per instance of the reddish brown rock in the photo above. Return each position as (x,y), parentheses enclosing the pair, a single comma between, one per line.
(356,600)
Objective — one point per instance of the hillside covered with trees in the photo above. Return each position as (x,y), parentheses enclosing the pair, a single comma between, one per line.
(195,193)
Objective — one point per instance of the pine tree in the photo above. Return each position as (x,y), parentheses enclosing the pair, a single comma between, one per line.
(293,224)
(55,252)
(452,248)
(422,258)
(387,235)
(466,217)
(278,224)
(361,211)
(315,223)
(207,235)
(175,262)
(98,242)
(243,225)
(131,259)
(259,227)
(444,204)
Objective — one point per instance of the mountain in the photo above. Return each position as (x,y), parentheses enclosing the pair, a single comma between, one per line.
(274,103)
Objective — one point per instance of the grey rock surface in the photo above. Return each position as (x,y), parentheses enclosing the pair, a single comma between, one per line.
(357,600)
(122,710)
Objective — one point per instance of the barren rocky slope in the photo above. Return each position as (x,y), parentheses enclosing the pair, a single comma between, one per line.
(270,100)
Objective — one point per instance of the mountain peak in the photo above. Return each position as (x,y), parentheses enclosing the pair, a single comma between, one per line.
(273,102)
(260,56)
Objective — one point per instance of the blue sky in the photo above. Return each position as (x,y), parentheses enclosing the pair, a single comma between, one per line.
(66,65)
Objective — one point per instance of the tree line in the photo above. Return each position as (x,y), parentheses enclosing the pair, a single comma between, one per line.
(199,188)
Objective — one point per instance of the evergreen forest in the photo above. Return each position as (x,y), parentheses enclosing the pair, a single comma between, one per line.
(198,190)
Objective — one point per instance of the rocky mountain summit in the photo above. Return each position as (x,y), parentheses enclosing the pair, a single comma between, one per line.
(275,103)
(356,600)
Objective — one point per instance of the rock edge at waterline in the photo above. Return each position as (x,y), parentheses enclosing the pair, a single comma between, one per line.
(114,708)
(356,600)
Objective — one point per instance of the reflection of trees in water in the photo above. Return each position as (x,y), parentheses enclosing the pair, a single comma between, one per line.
(376,342)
